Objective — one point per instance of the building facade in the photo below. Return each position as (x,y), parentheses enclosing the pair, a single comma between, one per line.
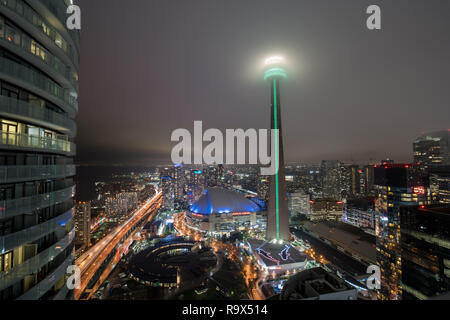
(440,184)
(397,185)
(425,244)
(168,189)
(331,172)
(83,224)
(326,209)
(432,149)
(39,63)
(299,204)
(220,212)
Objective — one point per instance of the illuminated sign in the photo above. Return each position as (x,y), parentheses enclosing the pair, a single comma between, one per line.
(241,213)
(419,190)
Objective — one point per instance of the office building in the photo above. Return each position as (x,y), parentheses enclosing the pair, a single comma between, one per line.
(440,184)
(299,204)
(432,149)
(359,213)
(425,250)
(396,185)
(326,209)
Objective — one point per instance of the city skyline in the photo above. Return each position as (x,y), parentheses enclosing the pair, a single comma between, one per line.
(224,151)
(353,94)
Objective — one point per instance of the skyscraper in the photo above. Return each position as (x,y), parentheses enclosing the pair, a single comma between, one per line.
(432,149)
(397,185)
(263,187)
(39,62)
(277,213)
(299,204)
(331,171)
(82,224)
(168,189)
(440,184)
(180,181)
(425,238)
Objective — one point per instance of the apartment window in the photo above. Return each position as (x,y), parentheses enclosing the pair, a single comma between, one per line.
(6,261)
(10,91)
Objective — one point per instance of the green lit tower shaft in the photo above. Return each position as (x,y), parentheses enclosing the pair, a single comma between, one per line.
(277,214)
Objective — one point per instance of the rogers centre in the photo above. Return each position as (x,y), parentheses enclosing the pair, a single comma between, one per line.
(220,211)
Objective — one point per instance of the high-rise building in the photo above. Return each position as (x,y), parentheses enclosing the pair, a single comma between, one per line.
(299,204)
(326,209)
(82,224)
(39,62)
(263,187)
(331,179)
(440,184)
(360,213)
(167,184)
(396,185)
(277,213)
(425,238)
(195,186)
(212,176)
(180,181)
(368,179)
(432,149)
(120,205)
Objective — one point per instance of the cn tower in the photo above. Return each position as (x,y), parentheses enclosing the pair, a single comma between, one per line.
(277,214)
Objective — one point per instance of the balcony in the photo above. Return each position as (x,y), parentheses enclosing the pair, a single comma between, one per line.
(13,37)
(22,110)
(29,235)
(15,207)
(45,285)
(59,10)
(13,71)
(9,174)
(36,143)
(23,10)
(34,264)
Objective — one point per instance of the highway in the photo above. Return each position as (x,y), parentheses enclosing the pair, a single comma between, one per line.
(90,261)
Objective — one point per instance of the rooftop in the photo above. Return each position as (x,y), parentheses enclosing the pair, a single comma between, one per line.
(217,200)
(275,254)
(314,283)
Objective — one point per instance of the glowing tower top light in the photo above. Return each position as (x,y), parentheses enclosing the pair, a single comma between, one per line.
(277,213)
(274,68)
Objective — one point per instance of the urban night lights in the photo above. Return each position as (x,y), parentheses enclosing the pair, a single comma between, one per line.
(222,158)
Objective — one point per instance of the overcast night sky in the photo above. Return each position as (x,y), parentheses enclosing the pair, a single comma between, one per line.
(149,67)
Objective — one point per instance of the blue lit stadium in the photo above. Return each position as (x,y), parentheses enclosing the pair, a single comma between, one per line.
(220,211)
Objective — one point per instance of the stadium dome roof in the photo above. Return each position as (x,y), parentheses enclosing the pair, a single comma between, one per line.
(217,200)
